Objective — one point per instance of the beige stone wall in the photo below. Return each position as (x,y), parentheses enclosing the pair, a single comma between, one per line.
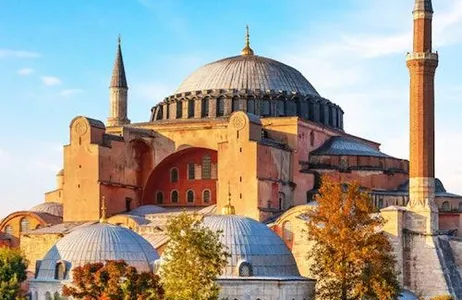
(35,247)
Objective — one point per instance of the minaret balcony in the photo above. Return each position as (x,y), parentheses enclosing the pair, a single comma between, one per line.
(422,56)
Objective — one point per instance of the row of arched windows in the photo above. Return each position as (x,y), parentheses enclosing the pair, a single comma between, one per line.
(446,206)
(190,196)
(206,170)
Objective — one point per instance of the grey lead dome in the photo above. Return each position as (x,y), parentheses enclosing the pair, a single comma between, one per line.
(248,72)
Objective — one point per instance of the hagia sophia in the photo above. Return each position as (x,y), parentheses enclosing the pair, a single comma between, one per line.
(243,142)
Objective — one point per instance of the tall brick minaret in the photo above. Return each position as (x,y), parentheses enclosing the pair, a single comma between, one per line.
(118,91)
(422,63)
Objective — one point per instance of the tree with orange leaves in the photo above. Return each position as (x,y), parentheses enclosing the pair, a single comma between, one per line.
(114,280)
(351,257)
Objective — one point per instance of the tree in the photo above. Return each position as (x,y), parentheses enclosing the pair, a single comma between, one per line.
(194,258)
(352,256)
(13,267)
(114,280)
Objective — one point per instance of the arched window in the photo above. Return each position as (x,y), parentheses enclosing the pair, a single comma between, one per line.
(24,225)
(280,108)
(206,167)
(191,171)
(235,104)
(221,106)
(48,296)
(312,138)
(191,108)
(167,111)
(287,233)
(205,107)
(38,226)
(291,108)
(159,197)
(445,206)
(206,196)
(190,196)
(380,203)
(179,109)
(9,230)
(60,271)
(251,106)
(265,108)
(245,269)
(174,197)
(174,175)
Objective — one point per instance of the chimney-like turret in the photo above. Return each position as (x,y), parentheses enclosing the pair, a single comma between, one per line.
(118,91)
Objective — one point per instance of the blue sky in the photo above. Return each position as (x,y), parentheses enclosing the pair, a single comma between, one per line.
(56,59)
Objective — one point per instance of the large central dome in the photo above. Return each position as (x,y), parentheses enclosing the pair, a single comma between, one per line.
(249,72)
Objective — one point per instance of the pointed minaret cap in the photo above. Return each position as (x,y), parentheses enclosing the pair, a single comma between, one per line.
(118,73)
(247,50)
(423,6)
(229,208)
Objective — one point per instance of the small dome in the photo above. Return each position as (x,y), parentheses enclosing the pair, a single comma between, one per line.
(52,208)
(146,210)
(98,243)
(253,245)
(250,72)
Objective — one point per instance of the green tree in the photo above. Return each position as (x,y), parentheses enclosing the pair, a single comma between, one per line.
(352,256)
(194,258)
(13,267)
(114,280)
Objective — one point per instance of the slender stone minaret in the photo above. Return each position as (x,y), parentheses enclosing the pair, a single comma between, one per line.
(118,93)
(422,63)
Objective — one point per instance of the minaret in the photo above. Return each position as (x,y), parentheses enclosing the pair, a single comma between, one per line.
(118,92)
(422,63)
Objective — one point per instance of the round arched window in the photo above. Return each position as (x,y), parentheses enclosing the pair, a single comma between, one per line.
(245,269)
(174,175)
(190,196)
(159,197)
(206,196)
(445,206)
(9,230)
(24,225)
(174,197)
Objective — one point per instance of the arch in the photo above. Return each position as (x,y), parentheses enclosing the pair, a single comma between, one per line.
(206,196)
(60,271)
(179,109)
(287,232)
(205,107)
(220,106)
(445,206)
(245,269)
(265,107)
(159,197)
(174,196)
(24,225)
(174,176)
(190,196)
(251,105)
(235,104)
(191,109)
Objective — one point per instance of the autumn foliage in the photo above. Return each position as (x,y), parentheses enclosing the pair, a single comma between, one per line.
(114,280)
(351,257)
(12,273)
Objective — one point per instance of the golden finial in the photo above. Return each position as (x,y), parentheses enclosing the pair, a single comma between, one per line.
(229,208)
(247,50)
(103,210)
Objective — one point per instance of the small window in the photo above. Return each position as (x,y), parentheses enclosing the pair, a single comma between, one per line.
(60,271)
(24,225)
(445,206)
(460,206)
(287,233)
(381,203)
(174,197)
(191,108)
(251,106)
(280,108)
(128,203)
(174,175)
(190,196)
(265,108)
(191,171)
(206,167)
(48,296)
(206,196)
(160,198)
(312,138)
(221,107)
(205,107)
(179,109)
(245,269)
(236,104)
(9,230)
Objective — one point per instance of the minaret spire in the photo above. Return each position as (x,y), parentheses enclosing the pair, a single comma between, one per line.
(422,64)
(247,50)
(118,91)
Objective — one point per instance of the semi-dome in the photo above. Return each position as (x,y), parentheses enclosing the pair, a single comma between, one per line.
(146,210)
(255,249)
(98,243)
(248,72)
(52,208)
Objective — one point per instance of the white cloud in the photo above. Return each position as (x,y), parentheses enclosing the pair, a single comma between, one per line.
(25,71)
(70,92)
(50,80)
(8,53)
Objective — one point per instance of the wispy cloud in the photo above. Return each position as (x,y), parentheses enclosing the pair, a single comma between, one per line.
(8,53)
(70,92)
(25,71)
(50,80)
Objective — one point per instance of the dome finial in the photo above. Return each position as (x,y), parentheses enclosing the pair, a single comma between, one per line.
(229,208)
(103,210)
(119,39)
(247,50)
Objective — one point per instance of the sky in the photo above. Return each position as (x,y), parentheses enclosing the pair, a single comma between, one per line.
(56,59)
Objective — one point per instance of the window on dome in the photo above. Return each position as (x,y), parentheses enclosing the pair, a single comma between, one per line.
(220,106)
(265,108)
(167,111)
(291,108)
(280,107)
(287,233)
(191,171)
(24,225)
(460,206)
(60,271)
(174,175)
(179,109)
(236,104)
(160,197)
(245,269)
(160,114)
(206,196)
(206,167)
(251,106)
(445,206)
(190,196)
(174,197)
(9,230)
(191,108)
(312,138)
(205,107)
